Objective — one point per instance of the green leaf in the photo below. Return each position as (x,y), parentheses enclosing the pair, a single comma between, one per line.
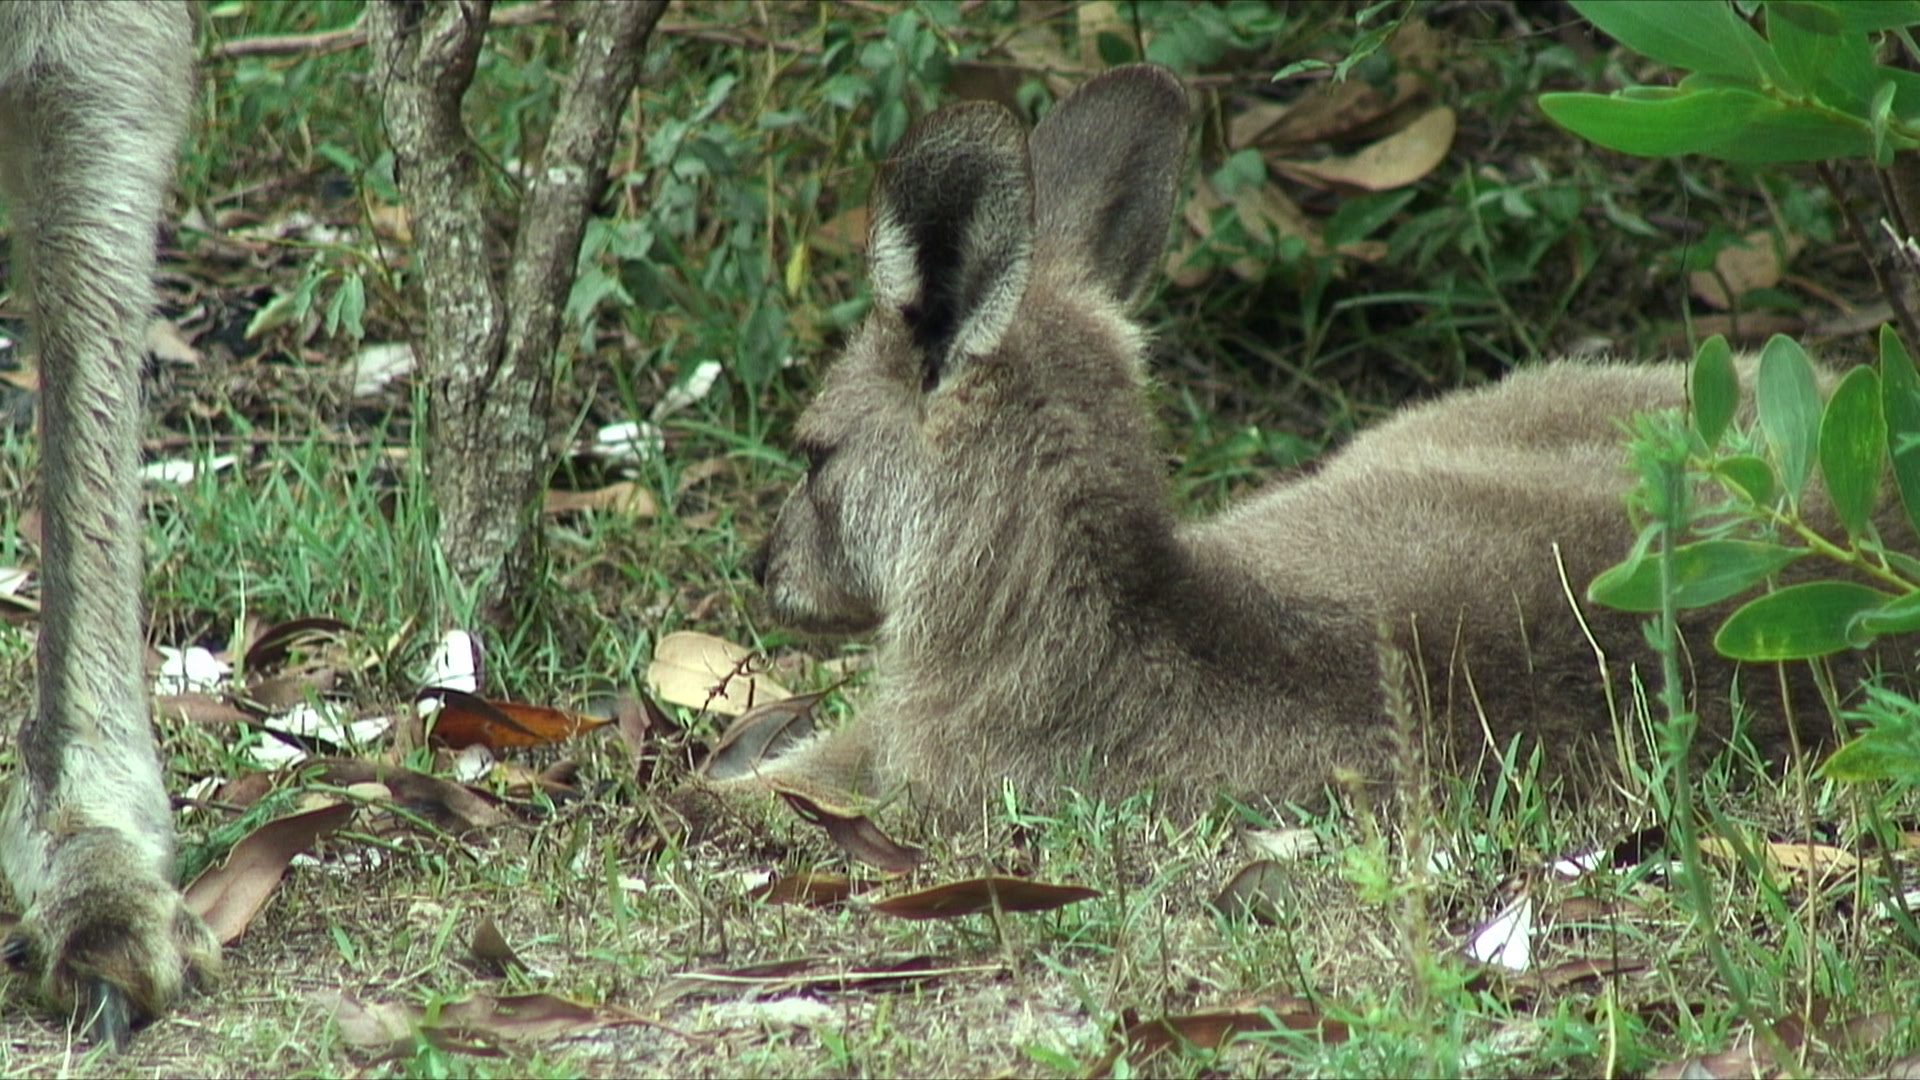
(1887,752)
(1716,390)
(1850,16)
(1752,475)
(1808,56)
(1853,438)
(1796,623)
(1902,563)
(1708,37)
(1894,617)
(1789,406)
(1728,123)
(1900,408)
(1880,119)
(1704,573)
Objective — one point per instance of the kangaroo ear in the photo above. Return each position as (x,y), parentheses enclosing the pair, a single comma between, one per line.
(952,233)
(1107,165)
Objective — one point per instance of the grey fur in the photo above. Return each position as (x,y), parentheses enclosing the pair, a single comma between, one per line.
(93,98)
(998,516)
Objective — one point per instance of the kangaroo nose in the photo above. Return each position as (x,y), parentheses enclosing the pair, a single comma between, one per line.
(758,563)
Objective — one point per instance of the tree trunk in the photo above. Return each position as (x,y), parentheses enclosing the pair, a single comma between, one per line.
(491,317)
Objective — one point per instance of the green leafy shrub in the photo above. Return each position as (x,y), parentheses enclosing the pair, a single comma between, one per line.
(1801,81)
(1809,89)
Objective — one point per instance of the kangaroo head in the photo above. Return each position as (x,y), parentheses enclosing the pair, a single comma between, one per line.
(996,383)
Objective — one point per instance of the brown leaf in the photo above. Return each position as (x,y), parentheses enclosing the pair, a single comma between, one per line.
(243,791)
(761,734)
(1394,162)
(229,895)
(489,947)
(471,1024)
(1282,845)
(842,234)
(1758,261)
(700,472)
(623,497)
(650,737)
(816,973)
(983,894)
(1347,107)
(1214,1028)
(450,806)
(1262,210)
(204,710)
(465,720)
(1093,18)
(381,1026)
(1515,988)
(701,671)
(281,692)
(1746,328)
(1255,892)
(808,888)
(524,1017)
(851,831)
(276,642)
(1808,862)
(169,345)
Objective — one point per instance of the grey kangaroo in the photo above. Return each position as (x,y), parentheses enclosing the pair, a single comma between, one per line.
(985,494)
(93,98)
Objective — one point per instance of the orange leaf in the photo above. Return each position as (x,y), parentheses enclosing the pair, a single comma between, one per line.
(466,720)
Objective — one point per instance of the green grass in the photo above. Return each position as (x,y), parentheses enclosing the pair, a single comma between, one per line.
(758,124)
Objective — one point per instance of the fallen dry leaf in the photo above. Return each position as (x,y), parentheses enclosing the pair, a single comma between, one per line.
(1214,1028)
(465,720)
(370,1025)
(1344,108)
(205,710)
(623,497)
(229,895)
(820,973)
(471,1024)
(489,947)
(1750,1057)
(524,1017)
(1758,261)
(850,830)
(704,672)
(276,642)
(809,889)
(1254,892)
(761,734)
(447,805)
(983,894)
(1805,862)
(1263,210)
(1395,161)
(1282,845)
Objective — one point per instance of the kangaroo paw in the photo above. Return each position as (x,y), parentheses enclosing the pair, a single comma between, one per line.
(112,944)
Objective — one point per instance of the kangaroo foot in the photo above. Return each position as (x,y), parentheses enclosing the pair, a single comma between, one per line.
(111,943)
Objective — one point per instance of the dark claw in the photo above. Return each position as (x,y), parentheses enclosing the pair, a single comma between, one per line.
(109,1017)
(15,949)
